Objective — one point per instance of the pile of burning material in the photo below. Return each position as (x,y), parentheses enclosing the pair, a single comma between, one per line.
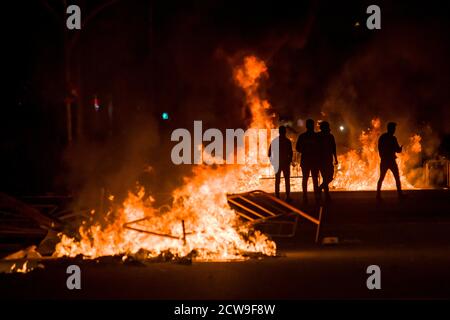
(199,223)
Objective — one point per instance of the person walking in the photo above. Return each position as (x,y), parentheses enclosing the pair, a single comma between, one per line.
(327,151)
(387,148)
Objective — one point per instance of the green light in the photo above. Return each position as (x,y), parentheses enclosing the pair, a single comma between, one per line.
(165,116)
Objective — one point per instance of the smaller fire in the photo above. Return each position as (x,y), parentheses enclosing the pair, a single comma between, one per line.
(359,169)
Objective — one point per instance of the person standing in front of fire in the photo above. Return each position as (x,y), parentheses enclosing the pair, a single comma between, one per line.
(280,154)
(327,151)
(307,146)
(387,148)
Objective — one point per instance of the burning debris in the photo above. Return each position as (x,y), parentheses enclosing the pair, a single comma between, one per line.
(22,261)
(211,229)
(20,266)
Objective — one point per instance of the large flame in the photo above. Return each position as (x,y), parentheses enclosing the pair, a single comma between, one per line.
(247,77)
(212,228)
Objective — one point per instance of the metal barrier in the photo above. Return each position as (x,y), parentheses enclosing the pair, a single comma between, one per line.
(129,226)
(442,166)
(266,212)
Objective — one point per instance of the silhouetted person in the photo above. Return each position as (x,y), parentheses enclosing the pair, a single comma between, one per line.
(327,151)
(307,146)
(387,148)
(280,153)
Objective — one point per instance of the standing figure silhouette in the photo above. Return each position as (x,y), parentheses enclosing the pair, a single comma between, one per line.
(280,154)
(307,146)
(387,148)
(327,151)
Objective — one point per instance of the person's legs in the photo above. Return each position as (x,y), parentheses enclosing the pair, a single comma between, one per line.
(395,172)
(277,183)
(322,173)
(383,170)
(287,180)
(327,178)
(326,181)
(305,175)
(315,179)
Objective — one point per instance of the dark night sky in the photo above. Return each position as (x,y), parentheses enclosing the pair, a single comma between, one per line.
(152,56)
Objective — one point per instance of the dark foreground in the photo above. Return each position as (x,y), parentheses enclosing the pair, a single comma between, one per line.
(409,240)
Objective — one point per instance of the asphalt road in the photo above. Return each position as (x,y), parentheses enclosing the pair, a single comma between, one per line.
(409,240)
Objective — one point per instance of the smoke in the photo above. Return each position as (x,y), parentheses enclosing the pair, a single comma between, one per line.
(98,168)
(397,77)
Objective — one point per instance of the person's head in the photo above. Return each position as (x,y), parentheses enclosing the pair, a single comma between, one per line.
(324,127)
(310,125)
(391,127)
(282,131)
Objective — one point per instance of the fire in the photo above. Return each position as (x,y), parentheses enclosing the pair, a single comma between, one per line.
(359,170)
(212,229)
(247,77)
